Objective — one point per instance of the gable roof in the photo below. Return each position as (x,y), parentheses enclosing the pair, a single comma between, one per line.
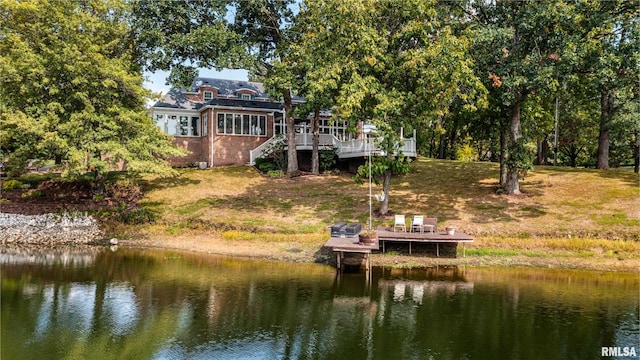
(177,98)
(229,87)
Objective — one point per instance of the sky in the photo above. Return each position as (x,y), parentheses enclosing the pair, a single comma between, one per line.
(156,81)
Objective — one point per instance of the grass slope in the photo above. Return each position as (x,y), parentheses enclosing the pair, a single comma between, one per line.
(563,214)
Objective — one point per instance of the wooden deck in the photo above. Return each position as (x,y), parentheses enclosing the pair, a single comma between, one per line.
(438,237)
(342,245)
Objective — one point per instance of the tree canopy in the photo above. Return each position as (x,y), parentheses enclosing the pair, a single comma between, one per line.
(390,63)
(71,89)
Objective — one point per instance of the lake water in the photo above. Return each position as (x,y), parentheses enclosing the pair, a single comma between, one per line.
(152,304)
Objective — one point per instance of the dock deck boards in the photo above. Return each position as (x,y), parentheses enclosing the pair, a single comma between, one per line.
(342,245)
(437,237)
(351,245)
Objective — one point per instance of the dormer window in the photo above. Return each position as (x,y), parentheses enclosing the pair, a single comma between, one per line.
(245,97)
(208,95)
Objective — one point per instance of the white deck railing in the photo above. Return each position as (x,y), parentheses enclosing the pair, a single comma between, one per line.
(344,149)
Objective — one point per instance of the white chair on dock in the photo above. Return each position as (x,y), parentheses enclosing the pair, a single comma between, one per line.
(400,224)
(417,224)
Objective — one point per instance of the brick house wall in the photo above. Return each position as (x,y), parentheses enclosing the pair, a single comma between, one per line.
(194,146)
(234,149)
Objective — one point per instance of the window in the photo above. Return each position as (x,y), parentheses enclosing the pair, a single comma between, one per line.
(205,125)
(184,126)
(245,125)
(160,122)
(237,122)
(245,96)
(171,125)
(208,95)
(258,124)
(220,124)
(195,126)
(178,125)
(242,124)
(228,128)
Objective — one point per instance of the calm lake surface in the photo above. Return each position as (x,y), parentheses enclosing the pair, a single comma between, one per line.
(152,304)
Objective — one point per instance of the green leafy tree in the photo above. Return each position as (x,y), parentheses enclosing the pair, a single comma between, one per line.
(606,51)
(391,63)
(518,48)
(71,90)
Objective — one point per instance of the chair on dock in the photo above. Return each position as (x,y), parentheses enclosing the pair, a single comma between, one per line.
(417,224)
(400,224)
(431,224)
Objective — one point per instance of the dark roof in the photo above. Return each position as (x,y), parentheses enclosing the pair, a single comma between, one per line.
(177,99)
(228,87)
(245,103)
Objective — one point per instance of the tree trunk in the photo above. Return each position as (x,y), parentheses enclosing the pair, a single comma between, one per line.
(292,153)
(542,151)
(432,145)
(636,153)
(511,186)
(315,156)
(453,138)
(386,186)
(442,147)
(606,114)
(538,152)
(503,156)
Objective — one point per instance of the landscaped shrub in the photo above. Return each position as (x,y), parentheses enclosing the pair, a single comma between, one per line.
(276,154)
(327,158)
(11,185)
(124,189)
(265,165)
(466,153)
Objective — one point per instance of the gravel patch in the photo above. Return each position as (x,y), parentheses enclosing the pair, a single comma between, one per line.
(48,229)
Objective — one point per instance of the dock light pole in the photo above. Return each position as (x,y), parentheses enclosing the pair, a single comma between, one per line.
(369,129)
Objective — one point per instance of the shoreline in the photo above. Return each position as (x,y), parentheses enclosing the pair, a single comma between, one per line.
(310,253)
(54,231)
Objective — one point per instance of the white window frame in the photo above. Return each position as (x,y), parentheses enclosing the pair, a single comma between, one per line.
(179,125)
(205,124)
(241,124)
(205,97)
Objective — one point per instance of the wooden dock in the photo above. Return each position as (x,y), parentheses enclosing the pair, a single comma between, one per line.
(342,245)
(437,237)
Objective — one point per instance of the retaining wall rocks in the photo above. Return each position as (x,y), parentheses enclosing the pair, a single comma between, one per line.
(48,229)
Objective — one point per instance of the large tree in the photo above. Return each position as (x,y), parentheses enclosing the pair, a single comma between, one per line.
(518,48)
(607,53)
(181,36)
(388,62)
(71,89)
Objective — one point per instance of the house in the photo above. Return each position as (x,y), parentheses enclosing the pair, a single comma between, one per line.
(229,122)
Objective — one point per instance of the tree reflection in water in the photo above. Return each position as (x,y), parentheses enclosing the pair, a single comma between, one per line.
(151,304)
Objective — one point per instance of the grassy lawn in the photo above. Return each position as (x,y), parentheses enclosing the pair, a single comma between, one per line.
(562,211)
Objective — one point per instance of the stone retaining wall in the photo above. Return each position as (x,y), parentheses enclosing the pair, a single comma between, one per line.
(48,229)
